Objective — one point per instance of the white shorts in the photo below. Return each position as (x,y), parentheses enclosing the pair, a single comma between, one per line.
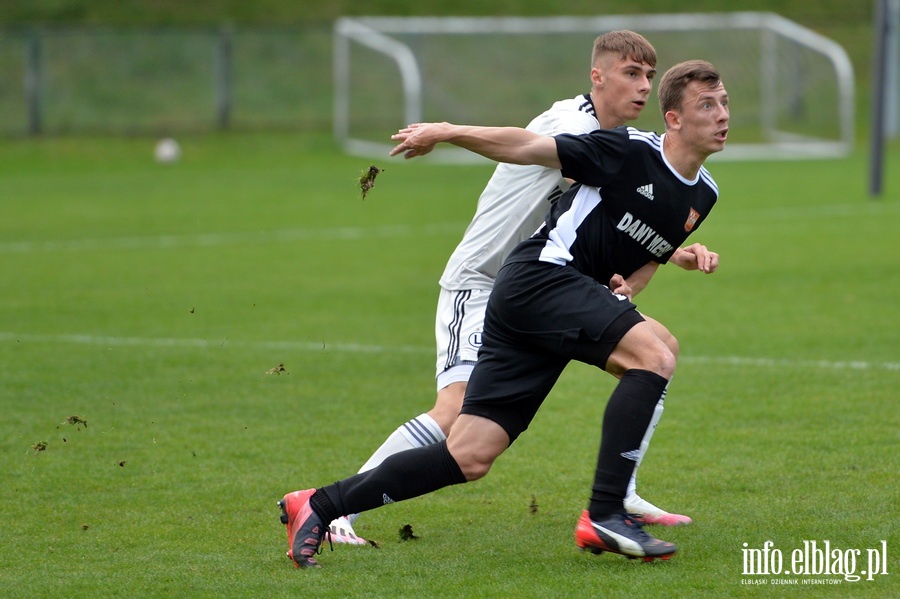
(457,331)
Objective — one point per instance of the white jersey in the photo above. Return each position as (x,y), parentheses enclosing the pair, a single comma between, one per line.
(514,202)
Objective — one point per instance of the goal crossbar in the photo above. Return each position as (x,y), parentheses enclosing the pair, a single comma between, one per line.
(376,34)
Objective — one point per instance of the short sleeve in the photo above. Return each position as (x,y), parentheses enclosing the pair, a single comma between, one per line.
(595,158)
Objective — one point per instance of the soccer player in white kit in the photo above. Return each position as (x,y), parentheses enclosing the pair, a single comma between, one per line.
(511,207)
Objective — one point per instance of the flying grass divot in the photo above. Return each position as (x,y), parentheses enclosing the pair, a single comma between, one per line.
(367,179)
(277,369)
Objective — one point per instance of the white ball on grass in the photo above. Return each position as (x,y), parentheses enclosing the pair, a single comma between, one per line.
(167,150)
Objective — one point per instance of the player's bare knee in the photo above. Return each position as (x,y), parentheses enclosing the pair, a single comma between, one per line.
(670,358)
(474,443)
(475,469)
(672,343)
(644,348)
(663,333)
(659,359)
(473,463)
(474,457)
(447,405)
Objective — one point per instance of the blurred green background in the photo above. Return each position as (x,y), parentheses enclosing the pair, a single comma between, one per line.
(311,12)
(282,72)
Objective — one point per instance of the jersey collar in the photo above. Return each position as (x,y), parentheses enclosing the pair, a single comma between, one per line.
(662,152)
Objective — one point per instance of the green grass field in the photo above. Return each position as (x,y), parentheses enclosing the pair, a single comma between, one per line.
(151,300)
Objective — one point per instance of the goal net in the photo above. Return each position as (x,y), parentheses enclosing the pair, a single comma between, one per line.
(790,89)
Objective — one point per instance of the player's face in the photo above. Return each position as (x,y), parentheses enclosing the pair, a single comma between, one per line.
(704,116)
(621,87)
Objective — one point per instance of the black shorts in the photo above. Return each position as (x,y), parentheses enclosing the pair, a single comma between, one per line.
(539,317)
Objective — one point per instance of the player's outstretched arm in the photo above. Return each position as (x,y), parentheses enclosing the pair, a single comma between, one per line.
(502,144)
(696,257)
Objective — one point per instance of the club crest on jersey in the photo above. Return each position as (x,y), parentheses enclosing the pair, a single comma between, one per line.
(692,218)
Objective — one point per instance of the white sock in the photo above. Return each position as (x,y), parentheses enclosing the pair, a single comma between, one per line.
(418,432)
(645,443)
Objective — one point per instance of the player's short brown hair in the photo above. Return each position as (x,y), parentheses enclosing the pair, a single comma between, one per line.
(625,44)
(677,78)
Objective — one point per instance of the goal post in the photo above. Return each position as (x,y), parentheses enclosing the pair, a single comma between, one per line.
(791,89)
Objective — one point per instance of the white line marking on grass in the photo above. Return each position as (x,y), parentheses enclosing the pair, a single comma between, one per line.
(80,339)
(773,363)
(166,242)
(815,211)
(378,349)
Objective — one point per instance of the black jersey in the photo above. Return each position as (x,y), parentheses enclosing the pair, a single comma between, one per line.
(629,207)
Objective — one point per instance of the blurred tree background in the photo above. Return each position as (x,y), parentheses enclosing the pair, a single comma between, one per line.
(259,23)
(819,14)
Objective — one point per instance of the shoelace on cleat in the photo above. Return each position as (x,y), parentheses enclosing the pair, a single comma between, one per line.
(645,537)
(632,522)
(326,533)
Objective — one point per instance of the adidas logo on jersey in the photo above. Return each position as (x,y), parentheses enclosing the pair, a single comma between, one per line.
(646,190)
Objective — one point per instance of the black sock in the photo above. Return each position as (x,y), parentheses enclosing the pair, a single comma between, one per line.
(628,414)
(404,475)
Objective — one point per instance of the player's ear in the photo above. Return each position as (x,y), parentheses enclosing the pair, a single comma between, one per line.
(673,119)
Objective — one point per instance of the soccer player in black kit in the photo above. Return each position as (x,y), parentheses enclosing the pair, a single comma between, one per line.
(563,295)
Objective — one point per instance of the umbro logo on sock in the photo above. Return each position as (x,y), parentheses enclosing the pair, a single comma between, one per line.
(646,190)
(386,498)
(634,455)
